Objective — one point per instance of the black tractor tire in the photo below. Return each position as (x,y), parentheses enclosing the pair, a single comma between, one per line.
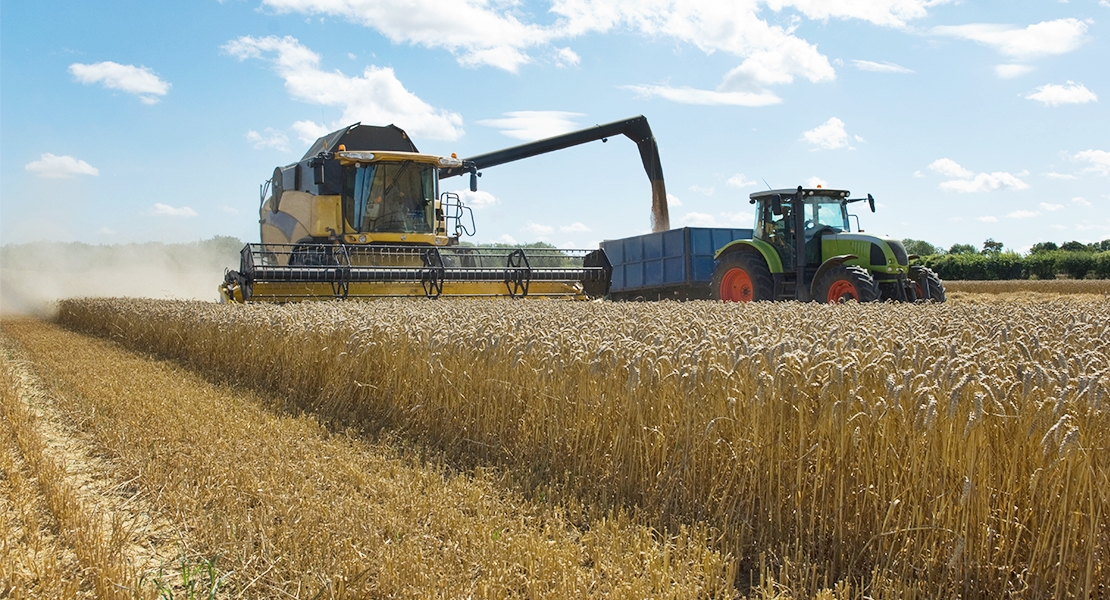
(936,286)
(844,283)
(742,277)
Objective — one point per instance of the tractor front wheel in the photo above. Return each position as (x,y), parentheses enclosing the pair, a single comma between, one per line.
(922,275)
(742,277)
(846,283)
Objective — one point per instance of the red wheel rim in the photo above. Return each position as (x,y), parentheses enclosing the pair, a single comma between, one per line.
(920,292)
(736,286)
(842,291)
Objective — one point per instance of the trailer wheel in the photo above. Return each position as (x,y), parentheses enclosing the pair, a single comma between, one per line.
(936,286)
(742,277)
(845,283)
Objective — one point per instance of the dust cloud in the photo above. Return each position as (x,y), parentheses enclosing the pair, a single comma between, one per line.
(34,276)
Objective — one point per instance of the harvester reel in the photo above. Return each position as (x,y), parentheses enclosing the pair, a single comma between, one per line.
(518,274)
(434,273)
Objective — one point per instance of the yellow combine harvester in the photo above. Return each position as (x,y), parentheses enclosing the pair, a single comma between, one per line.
(361,215)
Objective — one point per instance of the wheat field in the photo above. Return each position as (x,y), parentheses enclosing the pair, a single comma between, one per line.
(855,450)
(258,502)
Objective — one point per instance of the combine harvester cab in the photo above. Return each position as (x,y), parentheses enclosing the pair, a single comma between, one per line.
(361,216)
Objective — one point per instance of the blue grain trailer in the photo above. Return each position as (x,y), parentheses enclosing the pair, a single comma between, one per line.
(676,264)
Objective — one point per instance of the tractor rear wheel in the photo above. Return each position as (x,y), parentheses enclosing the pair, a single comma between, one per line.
(936,286)
(844,283)
(742,277)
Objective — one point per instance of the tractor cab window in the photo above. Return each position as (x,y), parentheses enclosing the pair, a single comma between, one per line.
(825,212)
(390,197)
(776,230)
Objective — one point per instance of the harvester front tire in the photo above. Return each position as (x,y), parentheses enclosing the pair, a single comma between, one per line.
(844,283)
(936,286)
(742,277)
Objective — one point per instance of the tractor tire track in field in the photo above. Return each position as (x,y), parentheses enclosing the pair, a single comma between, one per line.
(281,507)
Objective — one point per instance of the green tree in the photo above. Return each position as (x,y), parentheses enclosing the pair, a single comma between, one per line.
(1043,247)
(920,247)
(1074,246)
(992,247)
(962,249)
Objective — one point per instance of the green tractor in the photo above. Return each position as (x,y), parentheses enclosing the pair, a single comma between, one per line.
(802,248)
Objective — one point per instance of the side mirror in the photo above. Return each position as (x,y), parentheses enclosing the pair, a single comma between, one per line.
(318,169)
(776,204)
(473,181)
(871,202)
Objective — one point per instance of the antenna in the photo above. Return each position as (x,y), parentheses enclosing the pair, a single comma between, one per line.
(765,183)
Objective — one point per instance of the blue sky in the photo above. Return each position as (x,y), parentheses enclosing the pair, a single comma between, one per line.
(137,121)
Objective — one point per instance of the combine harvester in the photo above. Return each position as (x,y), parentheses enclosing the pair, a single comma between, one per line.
(361,216)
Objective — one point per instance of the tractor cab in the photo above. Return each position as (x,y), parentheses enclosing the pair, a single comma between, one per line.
(822,211)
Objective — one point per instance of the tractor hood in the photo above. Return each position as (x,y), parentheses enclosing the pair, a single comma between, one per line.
(880,253)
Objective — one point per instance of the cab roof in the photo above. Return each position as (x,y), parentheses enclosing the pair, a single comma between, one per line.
(805,192)
(363,137)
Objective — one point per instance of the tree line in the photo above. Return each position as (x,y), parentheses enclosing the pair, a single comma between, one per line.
(1045,260)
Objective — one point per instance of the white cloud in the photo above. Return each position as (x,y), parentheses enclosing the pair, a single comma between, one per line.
(815,182)
(529,125)
(708,191)
(106,231)
(740,181)
(270,138)
(950,168)
(565,57)
(538,230)
(1060,227)
(887,13)
(140,81)
(310,131)
(880,67)
(575,227)
(984,182)
(50,166)
(1010,71)
(477,32)
(1054,175)
(966,181)
(987,219)
(1023,214)
(696,219)
(502,34)
(673,200)
(165,210)
(479,199)
(829,135)
(229,209)
(1080,201)
(918,174)
(1099,159)
(1041,39)
(1051,207)
(375,97)
(1055,95)
(688,95)
(507,239)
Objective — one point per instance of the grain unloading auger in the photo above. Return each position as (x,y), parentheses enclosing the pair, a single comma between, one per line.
(361,215)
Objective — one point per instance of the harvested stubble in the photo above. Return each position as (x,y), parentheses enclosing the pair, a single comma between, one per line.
(292,510)
(902,450)
(1043,286)
(54,544)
